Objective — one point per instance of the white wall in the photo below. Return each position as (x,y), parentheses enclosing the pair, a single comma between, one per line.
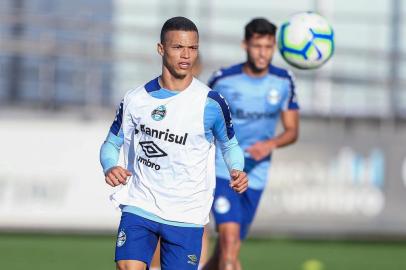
(50,175)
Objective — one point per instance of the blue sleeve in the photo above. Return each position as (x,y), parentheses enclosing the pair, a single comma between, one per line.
(218,120)
(118,121)
(110,149)
(290,102)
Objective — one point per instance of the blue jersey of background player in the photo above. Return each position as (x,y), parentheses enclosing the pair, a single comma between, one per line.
(259,94)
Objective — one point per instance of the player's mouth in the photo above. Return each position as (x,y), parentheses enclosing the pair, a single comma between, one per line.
(262,62)
(184,65)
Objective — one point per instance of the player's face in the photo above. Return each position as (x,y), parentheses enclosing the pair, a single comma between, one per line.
(179,52)
(260,49)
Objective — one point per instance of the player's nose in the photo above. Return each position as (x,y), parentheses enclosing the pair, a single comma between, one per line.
(185,53)
(262,52)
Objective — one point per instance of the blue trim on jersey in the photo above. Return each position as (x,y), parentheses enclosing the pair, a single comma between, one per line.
(222,73)
(280,72)
(152,85)
(150,216)
(215,125)
(211,112)
(225,111)
(116,126)
(163,93)
(292,103)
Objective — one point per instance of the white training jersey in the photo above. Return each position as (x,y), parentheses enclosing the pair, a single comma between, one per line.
(167,152)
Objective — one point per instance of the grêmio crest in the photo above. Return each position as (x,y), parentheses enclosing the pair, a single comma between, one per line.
(159,113)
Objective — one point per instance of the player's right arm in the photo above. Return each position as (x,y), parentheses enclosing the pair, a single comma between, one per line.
(110,152)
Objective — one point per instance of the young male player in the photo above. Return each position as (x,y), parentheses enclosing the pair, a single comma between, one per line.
(167,127)
(155,263)
(259,94)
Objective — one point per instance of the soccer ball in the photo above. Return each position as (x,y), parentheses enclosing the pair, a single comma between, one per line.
(306,40)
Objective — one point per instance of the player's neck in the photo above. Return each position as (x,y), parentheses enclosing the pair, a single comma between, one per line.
(168,81)
(252,72)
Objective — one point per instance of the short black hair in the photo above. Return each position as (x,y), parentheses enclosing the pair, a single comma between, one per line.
(259,26)
(178,24)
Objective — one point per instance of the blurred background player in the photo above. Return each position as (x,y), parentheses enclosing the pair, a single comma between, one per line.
(259,94)
(167,127)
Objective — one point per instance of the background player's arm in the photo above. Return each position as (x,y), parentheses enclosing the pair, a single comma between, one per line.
(110,152)
(224,133)
(290,124)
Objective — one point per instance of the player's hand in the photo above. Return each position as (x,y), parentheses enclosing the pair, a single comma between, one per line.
(117,175)
(239,181)
(261,149)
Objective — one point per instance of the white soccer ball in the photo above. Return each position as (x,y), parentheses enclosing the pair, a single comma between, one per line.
(306,40)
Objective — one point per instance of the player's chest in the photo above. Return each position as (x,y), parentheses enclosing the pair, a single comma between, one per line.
(174,113)
(266,97)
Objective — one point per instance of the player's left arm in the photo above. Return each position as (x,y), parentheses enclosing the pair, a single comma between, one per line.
(223,132)
(290,123)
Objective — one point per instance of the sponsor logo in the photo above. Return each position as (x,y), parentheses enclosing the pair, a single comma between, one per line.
(235,96)
(222,205)
(121,238)
(242,114)
(152,150)
(159,113)
(148,163)
(192,259)
(164,135)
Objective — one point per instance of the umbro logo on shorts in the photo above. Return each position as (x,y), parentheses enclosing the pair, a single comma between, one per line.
(192,259)
(121,238)
(152,150)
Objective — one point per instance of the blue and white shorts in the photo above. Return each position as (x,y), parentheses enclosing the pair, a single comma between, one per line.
(230,206)
(137,239)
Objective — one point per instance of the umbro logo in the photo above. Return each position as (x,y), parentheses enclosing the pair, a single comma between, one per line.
(152,150)
(192,259)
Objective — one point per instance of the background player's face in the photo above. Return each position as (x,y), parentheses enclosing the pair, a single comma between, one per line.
(179,52)
(260,49)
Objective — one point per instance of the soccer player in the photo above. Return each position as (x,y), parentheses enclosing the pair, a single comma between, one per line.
(155,263)
(259,94)
(167,127)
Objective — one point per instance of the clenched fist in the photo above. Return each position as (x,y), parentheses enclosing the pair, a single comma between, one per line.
(117,175)
(239,181)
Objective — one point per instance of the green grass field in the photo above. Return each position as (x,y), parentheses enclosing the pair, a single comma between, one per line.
(39,252)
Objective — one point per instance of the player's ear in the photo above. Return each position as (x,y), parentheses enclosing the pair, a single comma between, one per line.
(244,45)
(160,49)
